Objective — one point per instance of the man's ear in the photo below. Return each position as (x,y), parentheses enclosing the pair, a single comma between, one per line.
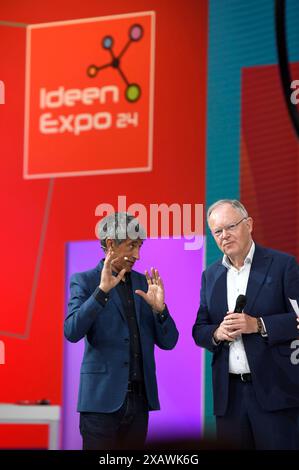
(250,223)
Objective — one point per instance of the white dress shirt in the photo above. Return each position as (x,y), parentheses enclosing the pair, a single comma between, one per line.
(237,281)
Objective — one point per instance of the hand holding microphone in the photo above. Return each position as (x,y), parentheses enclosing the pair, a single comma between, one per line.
(240,323)
(228,329)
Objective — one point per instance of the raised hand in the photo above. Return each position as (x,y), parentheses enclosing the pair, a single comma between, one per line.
(155,294)
(108,281)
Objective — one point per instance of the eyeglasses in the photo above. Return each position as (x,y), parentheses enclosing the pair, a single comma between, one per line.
(228,228)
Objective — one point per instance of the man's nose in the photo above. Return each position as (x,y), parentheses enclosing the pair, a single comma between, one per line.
(225,234)
(136,253)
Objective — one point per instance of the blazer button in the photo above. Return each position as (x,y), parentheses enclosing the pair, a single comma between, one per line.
(126,340)
(126,364)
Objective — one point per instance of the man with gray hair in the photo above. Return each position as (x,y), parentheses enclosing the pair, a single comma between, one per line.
(121,315)
(255,382)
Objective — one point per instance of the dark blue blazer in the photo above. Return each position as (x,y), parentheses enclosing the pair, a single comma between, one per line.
(105,365)
(273,279)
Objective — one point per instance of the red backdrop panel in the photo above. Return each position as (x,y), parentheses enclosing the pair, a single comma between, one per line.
(86,125)
(269,159)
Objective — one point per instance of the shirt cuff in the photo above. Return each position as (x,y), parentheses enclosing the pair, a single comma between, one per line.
(215,343)
(162,317)
(101,296)
(264,335)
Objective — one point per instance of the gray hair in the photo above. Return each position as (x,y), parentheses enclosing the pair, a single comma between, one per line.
(119,226)
(232,202)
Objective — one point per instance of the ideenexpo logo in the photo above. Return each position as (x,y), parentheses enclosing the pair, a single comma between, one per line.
(87,113)
(75,124)
(84,122)
(133,90)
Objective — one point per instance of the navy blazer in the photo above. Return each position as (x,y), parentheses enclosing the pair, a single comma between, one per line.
(105,366)
(273,279)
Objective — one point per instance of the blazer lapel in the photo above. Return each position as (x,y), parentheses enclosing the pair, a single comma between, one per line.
(260,266)
(117,300)
(219,292)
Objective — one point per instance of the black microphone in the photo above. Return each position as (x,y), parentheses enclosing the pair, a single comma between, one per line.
(239,307)
(240,303)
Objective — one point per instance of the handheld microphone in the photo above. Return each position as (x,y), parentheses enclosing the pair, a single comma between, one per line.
(240,303)
(239,307)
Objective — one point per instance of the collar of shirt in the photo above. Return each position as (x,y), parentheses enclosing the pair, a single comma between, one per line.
(227,263)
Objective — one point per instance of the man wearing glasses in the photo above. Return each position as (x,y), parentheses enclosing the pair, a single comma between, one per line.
(255,381)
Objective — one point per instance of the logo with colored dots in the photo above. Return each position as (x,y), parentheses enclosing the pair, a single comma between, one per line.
(133,90)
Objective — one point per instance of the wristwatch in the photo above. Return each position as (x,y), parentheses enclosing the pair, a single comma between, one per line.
(260,326)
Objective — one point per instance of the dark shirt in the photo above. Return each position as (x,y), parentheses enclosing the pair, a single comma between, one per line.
(125,291)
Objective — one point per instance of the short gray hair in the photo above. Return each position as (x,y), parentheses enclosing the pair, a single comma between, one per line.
(232,202)
(119,226)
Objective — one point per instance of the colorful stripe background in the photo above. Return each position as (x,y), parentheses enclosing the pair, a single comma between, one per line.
(242,36)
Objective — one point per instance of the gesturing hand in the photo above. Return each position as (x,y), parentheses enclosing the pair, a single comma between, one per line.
(155,294)
(108,281)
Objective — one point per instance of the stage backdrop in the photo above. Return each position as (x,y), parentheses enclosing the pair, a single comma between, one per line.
(74,135)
